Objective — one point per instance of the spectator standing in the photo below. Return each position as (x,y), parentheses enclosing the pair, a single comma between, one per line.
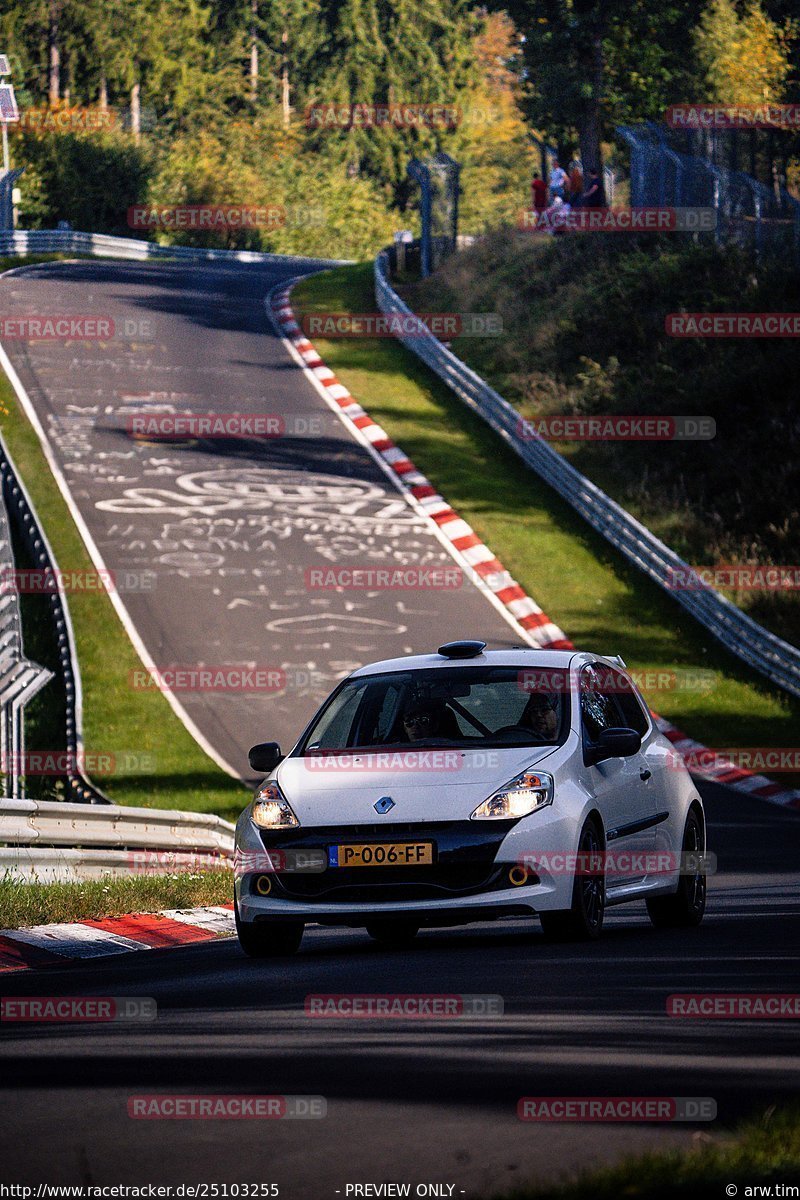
(575,180)
(594,196)
(539,193)
(558,181)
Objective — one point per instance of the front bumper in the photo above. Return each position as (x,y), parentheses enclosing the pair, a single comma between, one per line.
(468,881)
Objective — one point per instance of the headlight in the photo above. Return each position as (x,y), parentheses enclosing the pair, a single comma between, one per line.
(271,809)
(520,797)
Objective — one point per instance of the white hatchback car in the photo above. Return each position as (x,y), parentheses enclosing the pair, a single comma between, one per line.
(470,785)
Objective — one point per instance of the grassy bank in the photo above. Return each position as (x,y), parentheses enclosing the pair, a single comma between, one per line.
(118,720)
(584,333)
(25,904)
(762,1152)
(579,580)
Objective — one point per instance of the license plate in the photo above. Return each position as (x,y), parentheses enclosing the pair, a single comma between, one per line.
(381,854)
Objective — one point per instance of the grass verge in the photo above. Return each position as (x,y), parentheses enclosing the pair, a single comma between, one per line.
(584,323)
(762,1153)
(118,721)
(25,904)
(581,582)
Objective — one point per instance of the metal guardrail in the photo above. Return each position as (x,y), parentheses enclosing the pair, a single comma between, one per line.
(20,508)
(20,679)
(103,245)
(50,840)
(764,651)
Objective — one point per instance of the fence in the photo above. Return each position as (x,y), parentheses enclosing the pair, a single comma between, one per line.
(439,192)
(20,679)
(744,637)
(748,212)
(17,504)
(52,841)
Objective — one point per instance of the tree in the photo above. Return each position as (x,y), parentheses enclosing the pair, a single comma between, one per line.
(745,59)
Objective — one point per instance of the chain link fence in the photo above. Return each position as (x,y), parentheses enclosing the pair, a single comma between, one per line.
(438,179)
(749,213)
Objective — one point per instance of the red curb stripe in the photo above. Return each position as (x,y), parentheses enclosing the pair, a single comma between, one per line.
(152,930)
(15,956)
(495,567)
(508,594)
(423,491)
(467,541)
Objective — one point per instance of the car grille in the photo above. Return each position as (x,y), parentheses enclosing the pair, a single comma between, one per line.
(361,884)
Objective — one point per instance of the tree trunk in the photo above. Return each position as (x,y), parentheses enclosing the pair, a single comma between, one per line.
(53,56)
(254,50)
(103,92)
(285,105)
(590,119)
(136,110)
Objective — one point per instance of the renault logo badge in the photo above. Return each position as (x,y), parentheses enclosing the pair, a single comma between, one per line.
(383,805)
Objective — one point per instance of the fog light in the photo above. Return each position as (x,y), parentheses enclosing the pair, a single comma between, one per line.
(263,885)
(517,876)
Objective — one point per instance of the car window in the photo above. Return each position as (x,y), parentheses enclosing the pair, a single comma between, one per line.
(598,706)
(336,722)
(632,713)
(458,706)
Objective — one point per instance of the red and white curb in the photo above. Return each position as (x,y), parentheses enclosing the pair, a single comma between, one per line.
(495,581)
(47,945)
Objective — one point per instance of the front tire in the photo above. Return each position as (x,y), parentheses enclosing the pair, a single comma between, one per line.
(583,921)
(393,933)
(684,909)
(268,939)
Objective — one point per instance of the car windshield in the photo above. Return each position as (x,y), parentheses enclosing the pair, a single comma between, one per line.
(461,706)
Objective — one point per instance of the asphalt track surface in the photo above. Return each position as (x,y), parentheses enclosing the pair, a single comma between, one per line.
(407,1101)
(210,540)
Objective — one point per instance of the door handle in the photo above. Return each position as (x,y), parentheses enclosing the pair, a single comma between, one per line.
(645,774)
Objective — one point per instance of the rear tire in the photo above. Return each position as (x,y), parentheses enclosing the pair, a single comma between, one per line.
(582,922)
(268,939)
(684,909)
(393,933)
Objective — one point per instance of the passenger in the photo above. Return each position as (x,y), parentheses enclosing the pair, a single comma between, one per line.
(540,715)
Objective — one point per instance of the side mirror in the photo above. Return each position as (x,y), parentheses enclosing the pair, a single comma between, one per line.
(613,743)
(265,757)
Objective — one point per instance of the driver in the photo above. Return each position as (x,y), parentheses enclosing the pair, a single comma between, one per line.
(422,721)
(540,715)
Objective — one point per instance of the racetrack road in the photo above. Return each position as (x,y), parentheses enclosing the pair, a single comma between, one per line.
(230,528)
(416,1100)
(211,540)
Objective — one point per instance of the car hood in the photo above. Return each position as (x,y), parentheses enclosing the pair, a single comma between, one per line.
(425,785)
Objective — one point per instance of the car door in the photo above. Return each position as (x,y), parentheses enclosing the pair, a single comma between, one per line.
(622,786)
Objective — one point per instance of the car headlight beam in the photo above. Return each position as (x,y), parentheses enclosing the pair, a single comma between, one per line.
(271,809)
(521,796)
